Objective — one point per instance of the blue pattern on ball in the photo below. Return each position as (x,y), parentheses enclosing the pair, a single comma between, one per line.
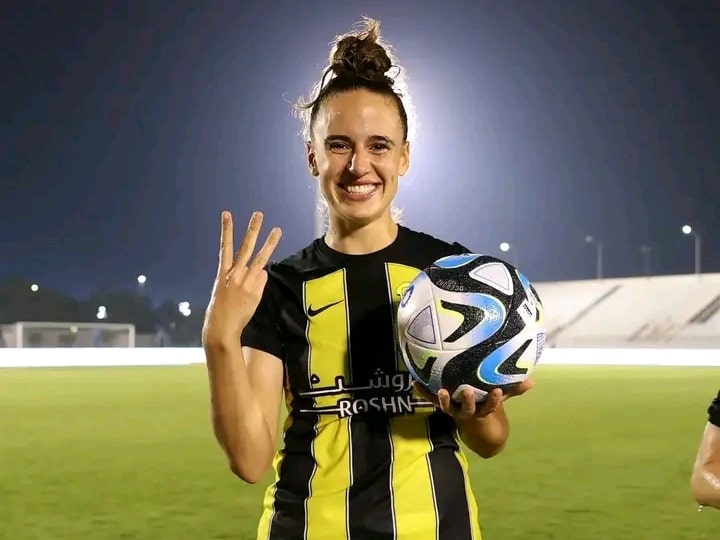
(488,370)
(456,261)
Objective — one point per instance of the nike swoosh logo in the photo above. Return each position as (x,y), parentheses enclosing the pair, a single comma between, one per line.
(312,312)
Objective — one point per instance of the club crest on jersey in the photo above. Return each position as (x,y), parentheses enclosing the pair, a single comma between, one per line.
(407,295)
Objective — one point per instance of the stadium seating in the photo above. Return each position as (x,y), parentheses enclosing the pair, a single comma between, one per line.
(660,311)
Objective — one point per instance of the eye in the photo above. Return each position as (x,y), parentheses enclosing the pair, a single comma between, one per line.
(379,147)
(338,146)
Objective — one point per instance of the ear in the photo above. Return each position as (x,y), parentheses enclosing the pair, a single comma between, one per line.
(311,161)
(404,159)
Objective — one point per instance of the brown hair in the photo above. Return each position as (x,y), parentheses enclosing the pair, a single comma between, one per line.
(359,59)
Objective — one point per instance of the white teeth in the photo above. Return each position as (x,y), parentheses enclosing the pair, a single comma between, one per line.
(360,188)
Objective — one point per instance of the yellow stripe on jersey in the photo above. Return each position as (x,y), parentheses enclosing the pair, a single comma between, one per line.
(399,277)
(413,494)
(328,336)
(263,529)
(472,503)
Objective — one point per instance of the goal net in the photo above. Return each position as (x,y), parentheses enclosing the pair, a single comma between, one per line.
(50,334)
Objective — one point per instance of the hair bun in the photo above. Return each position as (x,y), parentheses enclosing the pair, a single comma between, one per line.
(361,55)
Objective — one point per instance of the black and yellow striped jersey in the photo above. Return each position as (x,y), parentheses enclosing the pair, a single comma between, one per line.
(363,456)
(714,411)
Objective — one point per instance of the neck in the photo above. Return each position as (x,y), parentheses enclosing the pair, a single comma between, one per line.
(353,239)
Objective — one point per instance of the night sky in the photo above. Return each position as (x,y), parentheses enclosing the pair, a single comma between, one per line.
(126,127)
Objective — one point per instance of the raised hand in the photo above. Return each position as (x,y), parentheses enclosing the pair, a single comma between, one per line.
(239,283)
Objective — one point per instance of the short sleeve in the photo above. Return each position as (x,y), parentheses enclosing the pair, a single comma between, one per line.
(714,411)
(263,331)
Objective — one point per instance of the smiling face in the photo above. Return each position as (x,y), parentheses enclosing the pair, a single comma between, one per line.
(357,151)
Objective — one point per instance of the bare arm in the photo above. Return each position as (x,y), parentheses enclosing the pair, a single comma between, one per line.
(246,388)
(705,481)
(245,384)
(486,436)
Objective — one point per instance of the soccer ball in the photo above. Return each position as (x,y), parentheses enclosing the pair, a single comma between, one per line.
(470,321)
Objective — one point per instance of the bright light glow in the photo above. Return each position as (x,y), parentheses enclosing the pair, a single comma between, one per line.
(74,329)
(180,356)
(141,279)
(504,246)
(184,309)
(589,239)
(687,229)
(101,313)
(34,287)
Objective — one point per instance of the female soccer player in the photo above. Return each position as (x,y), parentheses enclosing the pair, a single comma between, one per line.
(365,455)
(705,481)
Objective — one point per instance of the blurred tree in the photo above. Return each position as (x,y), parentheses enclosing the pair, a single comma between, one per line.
(18,302)
(183,330)
(123,307)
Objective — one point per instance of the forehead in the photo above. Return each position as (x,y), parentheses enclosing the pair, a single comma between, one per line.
(358,114)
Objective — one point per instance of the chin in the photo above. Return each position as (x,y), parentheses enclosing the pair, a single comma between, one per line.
(362,214)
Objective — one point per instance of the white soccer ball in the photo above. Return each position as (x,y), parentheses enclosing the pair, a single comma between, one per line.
(470,321)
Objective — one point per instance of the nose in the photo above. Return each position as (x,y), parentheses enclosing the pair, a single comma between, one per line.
(359,163)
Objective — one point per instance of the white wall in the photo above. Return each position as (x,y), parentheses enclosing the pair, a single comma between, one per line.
(12,358)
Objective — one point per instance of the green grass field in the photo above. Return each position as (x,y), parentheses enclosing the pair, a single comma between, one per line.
(115,453)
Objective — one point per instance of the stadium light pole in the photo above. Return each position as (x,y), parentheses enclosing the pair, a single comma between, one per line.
(688,230)
(646,252)
(599,262)
(507,246)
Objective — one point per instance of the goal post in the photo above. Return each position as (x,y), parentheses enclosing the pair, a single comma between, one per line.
(71,334)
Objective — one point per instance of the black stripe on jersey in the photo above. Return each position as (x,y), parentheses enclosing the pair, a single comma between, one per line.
(371,450)
(298,465)
(447,475)
(295,472)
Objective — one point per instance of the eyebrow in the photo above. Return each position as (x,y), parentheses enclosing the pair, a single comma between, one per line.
(372,138)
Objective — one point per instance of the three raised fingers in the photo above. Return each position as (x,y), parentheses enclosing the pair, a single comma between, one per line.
(228,262)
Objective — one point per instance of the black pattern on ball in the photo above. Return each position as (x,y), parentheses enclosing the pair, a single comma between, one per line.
(461,356)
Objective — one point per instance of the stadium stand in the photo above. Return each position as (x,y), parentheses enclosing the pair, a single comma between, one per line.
(680,311)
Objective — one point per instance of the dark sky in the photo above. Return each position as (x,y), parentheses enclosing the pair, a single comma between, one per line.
(125,127)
